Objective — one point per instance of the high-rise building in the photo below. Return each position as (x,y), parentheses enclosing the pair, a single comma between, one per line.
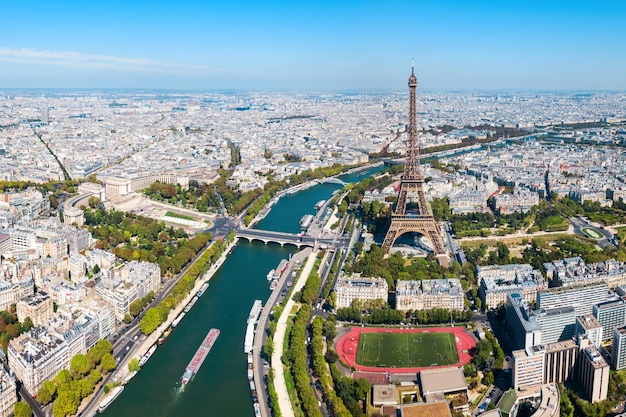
(589,327)
(524,326)
(45,115)
(560,362)
(610,314)
(557,324)
(582,298)
(618,351)
(544,364)
(528,366)
(593,374)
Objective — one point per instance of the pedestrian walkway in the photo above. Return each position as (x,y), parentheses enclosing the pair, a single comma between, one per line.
(284,404)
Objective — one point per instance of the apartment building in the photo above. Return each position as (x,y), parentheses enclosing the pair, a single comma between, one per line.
(427,294)
(36,356)
(38,307)
(359,288)
(498,281)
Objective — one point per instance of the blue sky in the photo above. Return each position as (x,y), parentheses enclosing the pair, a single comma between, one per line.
(314,45)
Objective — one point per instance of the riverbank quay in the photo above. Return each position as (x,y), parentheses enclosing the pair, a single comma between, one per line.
(284,403)
(299,258)
(297,188)
(122,372)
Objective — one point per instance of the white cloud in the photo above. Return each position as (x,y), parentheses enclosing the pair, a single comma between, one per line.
(91,61)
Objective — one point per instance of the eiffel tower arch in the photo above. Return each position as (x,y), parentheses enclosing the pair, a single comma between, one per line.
(421,219)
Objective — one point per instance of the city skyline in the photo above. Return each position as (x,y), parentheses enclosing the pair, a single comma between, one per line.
(533,45)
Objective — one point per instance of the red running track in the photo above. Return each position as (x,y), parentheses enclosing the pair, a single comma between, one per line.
(348,345)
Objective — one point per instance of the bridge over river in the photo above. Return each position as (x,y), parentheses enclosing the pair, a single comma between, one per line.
(282,238)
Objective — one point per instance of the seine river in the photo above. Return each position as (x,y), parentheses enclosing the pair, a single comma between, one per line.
(221,386)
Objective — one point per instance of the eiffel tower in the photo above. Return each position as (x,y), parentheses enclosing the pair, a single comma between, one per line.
(412,185)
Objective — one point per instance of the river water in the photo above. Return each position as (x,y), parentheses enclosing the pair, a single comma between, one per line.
(220,388)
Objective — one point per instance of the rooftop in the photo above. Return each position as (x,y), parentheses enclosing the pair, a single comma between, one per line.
(438,409)
(442,380)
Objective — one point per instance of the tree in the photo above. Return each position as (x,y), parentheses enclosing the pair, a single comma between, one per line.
(133,365)
(44,395)
(95,376)
(27,324)
(108,362)
(66,403)
(63,377)
(469,370)
(150,321)
(22,410)
(99,350)
(80,365)
(489,378)
(135,307)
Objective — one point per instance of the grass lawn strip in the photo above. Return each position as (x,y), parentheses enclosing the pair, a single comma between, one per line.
(179,216)
(592,233)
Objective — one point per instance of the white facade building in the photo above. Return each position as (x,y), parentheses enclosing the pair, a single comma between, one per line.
(363,289)
(37,356)
(430,293)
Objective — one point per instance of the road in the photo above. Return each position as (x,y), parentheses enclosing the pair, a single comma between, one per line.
(276,297)
(579,223)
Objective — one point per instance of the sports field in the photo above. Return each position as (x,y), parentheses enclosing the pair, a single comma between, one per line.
(406,350)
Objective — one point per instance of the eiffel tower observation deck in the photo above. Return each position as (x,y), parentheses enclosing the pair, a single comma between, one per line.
(420,219)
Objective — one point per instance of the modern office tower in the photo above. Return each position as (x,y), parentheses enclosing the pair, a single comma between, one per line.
(560,361)
(358,288)
(588,326)
(557,324)
(430,293)
(526,330)
(498,281)
(45,115)
(582,298)
(610,314)
(593,374)
(618,351)
(528,367)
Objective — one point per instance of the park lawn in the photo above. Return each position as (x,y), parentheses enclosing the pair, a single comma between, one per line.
(592,233)
(406,350)
(179,216)
(554,224)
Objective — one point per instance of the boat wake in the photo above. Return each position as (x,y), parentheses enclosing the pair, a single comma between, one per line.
(175,395)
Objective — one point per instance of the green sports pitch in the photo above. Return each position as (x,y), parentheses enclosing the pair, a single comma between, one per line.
(406,350)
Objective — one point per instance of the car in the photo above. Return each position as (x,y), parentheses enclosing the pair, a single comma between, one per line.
(136,337)
(127,347)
